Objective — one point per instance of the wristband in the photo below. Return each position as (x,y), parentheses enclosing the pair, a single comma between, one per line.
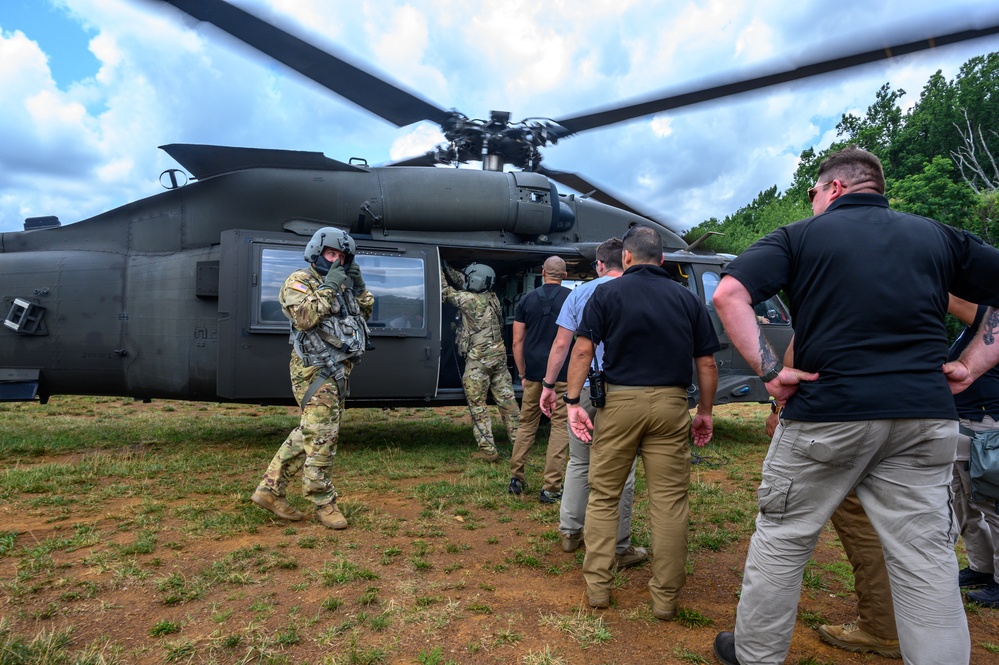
(772,374)
(570,400)
(545,384)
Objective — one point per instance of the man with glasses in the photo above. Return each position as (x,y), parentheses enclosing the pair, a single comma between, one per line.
(655,332)
(867,408)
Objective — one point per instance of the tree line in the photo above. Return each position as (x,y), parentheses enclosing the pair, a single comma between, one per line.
(941,160)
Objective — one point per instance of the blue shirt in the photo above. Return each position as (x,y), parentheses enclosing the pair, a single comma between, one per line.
(572,312)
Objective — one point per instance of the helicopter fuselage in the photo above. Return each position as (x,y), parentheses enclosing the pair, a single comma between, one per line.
(175,296)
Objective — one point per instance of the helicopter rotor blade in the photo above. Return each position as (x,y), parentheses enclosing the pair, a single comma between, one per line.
(426,159)
(598,193)
(678,98)
(360,87)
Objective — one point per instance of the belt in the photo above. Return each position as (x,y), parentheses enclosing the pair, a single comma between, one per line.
(613,387)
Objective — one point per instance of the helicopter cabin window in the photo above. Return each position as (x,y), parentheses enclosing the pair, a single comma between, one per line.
(769,312)
(398,284)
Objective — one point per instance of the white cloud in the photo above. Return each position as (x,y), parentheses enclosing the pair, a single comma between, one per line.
(80,147)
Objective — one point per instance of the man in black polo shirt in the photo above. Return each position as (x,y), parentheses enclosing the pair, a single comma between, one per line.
(534,330)
(867,407)
(653,331)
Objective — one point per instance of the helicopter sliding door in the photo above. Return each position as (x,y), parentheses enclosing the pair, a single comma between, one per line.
(254,344)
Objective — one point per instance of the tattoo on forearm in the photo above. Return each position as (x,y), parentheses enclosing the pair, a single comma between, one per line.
(990,326)
(768,359)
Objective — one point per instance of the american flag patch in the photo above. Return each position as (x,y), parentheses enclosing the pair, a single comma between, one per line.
(298,286)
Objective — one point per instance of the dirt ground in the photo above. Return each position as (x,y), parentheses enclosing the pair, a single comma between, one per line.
(461,599)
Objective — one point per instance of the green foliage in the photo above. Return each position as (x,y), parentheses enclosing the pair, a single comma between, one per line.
(917,148)
(933,193)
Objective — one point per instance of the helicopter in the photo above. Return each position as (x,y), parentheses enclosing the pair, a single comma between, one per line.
(175,296)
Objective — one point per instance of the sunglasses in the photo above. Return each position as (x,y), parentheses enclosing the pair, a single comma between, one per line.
(815,190)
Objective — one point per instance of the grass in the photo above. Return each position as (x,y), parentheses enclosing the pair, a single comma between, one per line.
(118,500)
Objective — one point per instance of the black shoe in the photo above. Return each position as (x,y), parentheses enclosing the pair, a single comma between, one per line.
(549,497)
(986,597)
(725,649)
(516,486)
(972,579)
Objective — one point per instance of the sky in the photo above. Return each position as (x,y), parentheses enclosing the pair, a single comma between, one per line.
(90,88)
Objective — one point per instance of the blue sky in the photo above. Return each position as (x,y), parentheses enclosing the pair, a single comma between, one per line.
(92,87)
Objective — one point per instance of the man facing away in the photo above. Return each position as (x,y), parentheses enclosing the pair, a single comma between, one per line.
(654,333)
(480,341)
(576,491)
(534,330)
(328,305)
(868,407)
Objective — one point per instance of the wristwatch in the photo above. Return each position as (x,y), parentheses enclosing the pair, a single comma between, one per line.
(570,400)
(772,374)
(545,384)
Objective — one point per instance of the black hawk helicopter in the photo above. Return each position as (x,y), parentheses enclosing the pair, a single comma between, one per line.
(175,296)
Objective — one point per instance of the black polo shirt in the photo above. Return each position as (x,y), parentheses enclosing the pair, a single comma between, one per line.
(868,293)
(982,397)
(652,328)
(538,311)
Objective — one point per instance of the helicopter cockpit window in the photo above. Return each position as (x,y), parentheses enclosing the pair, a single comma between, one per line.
(397,282)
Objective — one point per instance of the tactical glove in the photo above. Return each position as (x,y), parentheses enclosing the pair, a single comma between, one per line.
(354,272)
(334,278)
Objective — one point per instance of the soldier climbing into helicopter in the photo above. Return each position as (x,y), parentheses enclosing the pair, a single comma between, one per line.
(328,306)
(479,339)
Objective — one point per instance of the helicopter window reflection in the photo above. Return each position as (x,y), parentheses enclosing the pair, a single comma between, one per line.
(398,284)
(769,312)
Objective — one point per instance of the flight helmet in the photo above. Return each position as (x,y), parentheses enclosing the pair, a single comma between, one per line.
(479,277)
(329,236)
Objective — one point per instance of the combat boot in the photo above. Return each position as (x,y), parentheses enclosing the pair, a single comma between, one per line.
(330,516)
(485,456)
(277,505)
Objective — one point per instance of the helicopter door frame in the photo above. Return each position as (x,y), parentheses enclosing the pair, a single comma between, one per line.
(254,348)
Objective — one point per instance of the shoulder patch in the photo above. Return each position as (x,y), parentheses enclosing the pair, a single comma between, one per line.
(298,286)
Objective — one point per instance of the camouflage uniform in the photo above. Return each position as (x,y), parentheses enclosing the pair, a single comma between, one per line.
(485,361)
(312,444)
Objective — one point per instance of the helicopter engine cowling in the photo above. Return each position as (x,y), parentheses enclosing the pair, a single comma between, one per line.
(465,200)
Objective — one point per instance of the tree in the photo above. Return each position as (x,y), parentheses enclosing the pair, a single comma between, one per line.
(933,193)
(975,160)
(876,131)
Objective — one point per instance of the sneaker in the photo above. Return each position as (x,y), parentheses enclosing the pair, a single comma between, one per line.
(851,638)
(572,541)
(486,457)
(516,486)
(547,496)
(631,557)
(972,579)
(725,648)
(330,516)
(277,505)
(986,597)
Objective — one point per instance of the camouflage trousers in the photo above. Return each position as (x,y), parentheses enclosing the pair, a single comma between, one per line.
(479,380)
(311,446)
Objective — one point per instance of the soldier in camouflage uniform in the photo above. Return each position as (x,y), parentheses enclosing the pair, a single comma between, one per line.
(480,340)
(328,305)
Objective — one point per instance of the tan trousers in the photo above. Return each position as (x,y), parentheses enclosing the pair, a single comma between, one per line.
(652,422)
(875,610)
(558,438)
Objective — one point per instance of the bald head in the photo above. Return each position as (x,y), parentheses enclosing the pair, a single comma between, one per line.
(554,270)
